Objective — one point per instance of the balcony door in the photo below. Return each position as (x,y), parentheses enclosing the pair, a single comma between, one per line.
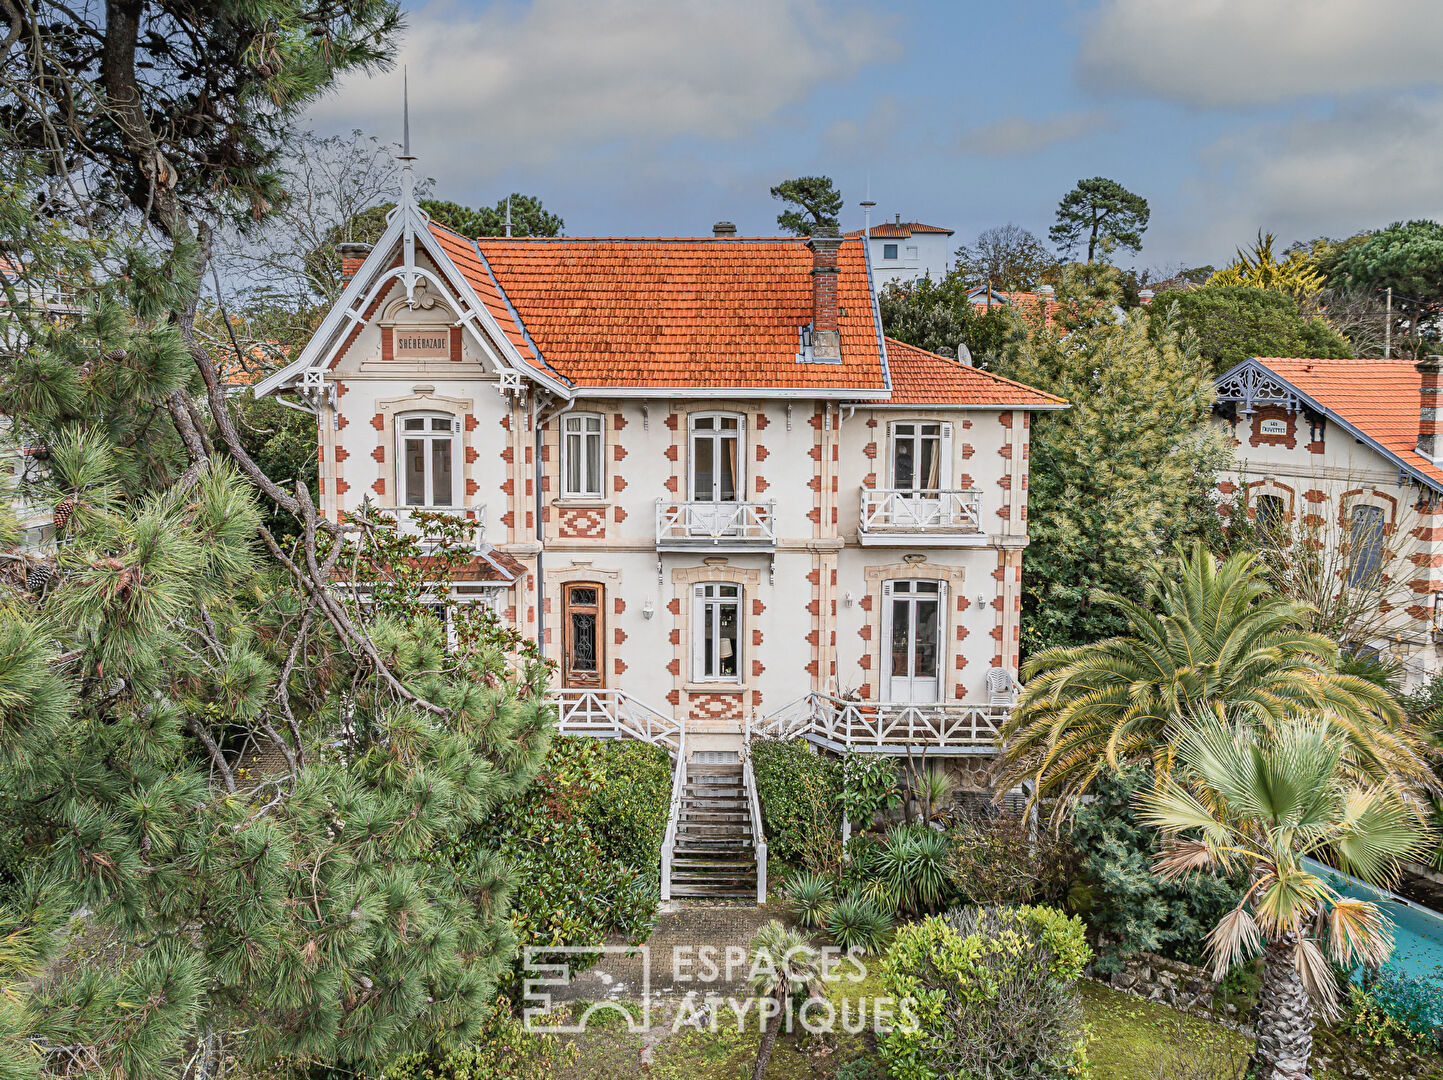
(912,617)
(921,460)
(715,473)
(583,635)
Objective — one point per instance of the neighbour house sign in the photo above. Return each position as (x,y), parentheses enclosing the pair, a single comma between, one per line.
(1273,426)
(428,343)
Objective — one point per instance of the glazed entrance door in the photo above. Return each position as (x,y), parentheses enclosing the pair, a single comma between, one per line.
(914,638)
(583,660)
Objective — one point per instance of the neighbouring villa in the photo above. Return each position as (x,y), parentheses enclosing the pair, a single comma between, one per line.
(1342,456)
(711,489)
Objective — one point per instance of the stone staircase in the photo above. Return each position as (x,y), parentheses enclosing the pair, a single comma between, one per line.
(714,854)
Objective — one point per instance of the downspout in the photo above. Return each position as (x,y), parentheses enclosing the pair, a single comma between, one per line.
(540,532)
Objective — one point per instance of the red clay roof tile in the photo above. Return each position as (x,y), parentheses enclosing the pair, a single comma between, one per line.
(923,378)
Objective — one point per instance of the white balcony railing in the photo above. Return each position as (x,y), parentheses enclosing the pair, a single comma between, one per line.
(719,526)
(614,714)
(889,512)
(408,521)
(887,727)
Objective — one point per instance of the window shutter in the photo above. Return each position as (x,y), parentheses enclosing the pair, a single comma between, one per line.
(944,474)
(698,632)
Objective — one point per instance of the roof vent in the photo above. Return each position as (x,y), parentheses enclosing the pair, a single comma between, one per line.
(724,228)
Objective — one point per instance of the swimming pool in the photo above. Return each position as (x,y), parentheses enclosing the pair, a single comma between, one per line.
(1417,931)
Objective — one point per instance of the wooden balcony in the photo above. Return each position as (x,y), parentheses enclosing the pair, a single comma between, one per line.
(716,526)
(887,727)
(949,517)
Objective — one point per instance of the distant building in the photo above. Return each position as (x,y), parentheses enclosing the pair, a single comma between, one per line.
(908,250)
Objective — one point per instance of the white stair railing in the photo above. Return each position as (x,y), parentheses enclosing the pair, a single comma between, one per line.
(887,726)
(668,842)
(607,713)
(754,804)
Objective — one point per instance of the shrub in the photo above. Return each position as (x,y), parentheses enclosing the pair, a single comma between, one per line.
(1415,1003)
(502,1050)
(1131,909)
(585,840)
(907,871)
(856,922)
(870,787)
(801,797)
(999,859)
(990,999)
(808,898)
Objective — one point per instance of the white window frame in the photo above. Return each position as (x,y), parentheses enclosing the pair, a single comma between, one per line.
(707,600)
(576,426)
(889,590)
(739,480)
(1354,579)
(428,434)
(944,453)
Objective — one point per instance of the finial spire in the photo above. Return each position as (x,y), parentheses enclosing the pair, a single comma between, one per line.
(405,115)
(407,206)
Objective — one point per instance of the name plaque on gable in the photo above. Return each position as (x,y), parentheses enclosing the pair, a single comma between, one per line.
(1273,426)
(432,343)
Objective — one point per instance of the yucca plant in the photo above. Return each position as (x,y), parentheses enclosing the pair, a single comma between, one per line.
(933,790)
(1208,636)
(1255,802)
(856,922)
(909,870)
(808,898)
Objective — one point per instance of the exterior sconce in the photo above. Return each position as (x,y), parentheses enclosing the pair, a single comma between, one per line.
(648,610)
(848,600)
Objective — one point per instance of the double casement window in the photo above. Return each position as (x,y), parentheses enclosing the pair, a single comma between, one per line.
(425,457)
(1365,545)
(921,457)
(716,632)
(583,473)
(912,626)
(716,457)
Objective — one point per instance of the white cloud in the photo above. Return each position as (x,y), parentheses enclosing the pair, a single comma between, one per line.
(1359,167)
(1016,135)
(1240,53)
(551,81)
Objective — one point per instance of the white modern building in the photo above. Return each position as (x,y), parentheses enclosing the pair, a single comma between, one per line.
(903,251)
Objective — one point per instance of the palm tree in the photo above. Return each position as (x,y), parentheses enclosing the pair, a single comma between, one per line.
(784,967)
(1242,802)
(1208,636)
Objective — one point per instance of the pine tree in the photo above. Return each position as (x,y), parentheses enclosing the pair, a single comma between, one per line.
(1129,468)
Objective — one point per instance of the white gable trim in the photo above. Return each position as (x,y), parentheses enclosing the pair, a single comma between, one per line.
(375,276)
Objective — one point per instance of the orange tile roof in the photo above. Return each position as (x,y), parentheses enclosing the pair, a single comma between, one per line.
(895,230)
(686,312)
(923,378)
(1380,398)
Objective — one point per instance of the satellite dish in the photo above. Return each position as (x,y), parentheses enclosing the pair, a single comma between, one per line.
(964,354)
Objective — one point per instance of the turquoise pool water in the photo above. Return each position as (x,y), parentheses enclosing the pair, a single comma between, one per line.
(1417,931)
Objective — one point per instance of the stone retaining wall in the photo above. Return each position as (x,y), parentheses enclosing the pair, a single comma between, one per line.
(1156,978)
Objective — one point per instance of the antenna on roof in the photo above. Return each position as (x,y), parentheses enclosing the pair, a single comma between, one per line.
(508,215)
(867,205)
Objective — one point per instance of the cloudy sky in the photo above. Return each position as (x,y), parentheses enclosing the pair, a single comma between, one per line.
(658,117)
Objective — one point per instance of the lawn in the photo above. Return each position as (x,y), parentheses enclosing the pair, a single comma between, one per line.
(1134,1040)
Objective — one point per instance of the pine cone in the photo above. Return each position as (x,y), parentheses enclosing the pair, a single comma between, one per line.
(38,576)
(63,509)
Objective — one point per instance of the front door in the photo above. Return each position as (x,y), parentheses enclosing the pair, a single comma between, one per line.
(913,611)
(582,636)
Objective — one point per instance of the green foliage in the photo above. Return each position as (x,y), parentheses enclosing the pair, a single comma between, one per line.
(935,314)
(1101,216)
(1001,859)
(907,872)
(585,840)
(801,798)
(282,442)
(1295,276)
(1408,257)
(870,787)
(993,993)
(811,201)
(501,1050)
(808,898)
(856,921)
(1395,1000)
(1130,467)
(1132,909)
(1235,322)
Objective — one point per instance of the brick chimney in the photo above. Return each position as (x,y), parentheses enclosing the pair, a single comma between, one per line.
(826,340)
(723,228)
(352,256)
(1430,368)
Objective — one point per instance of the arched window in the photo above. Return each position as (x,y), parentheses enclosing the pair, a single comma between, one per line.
(1272,513)
(425,459)
(1365,545)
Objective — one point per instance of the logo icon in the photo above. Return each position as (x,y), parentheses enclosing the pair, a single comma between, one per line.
(552,966)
